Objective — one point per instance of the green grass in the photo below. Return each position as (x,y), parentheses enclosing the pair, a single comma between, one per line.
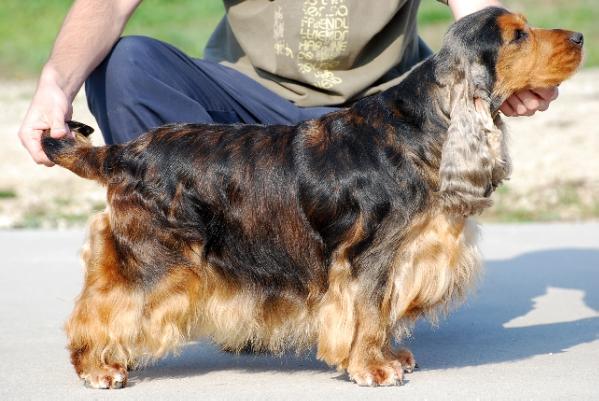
(28,28)
(58,212)
(565,201)
(41,219)
(7,193)
(185,23)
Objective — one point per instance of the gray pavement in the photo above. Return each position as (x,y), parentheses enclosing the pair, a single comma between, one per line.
(531,332)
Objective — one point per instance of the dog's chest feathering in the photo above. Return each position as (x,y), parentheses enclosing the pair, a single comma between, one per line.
(436,265)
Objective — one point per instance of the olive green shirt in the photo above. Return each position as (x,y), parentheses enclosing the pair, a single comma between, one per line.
(319,52)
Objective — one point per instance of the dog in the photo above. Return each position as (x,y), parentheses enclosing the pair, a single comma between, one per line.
(337,233)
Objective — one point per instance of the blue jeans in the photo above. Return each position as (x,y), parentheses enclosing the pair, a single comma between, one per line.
(144,83)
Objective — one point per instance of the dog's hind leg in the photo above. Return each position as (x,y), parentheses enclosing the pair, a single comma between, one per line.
(104,328)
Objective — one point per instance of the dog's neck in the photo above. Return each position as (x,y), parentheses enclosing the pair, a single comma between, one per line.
(420,99)
(425,98)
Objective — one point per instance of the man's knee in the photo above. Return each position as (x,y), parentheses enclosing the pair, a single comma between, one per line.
(117,83)
(128,60)
(133,51)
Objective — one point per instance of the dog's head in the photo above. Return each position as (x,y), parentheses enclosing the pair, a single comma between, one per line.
(486,57)
(496,53)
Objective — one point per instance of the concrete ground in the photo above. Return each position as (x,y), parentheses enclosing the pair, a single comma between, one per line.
(531,332)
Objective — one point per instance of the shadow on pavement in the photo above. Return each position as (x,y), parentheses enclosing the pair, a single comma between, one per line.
(473,335)
(476,335)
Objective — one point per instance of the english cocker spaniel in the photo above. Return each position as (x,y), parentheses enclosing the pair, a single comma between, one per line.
(337,233)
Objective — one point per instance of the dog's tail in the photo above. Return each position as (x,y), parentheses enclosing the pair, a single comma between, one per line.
(77,153)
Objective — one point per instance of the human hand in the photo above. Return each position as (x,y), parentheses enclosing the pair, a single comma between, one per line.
(50,108)
(527,102)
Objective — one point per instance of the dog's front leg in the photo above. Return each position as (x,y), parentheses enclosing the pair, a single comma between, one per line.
(354,331)
(372,362)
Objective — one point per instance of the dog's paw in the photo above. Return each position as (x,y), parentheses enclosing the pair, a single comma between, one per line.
(378,374)
(106,377)
(405,359)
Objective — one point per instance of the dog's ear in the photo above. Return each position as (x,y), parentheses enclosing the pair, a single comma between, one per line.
(467,161)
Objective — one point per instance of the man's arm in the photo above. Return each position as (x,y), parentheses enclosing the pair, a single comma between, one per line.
(523,103)
(88,32)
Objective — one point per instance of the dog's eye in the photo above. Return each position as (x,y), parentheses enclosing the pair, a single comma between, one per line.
(519,35)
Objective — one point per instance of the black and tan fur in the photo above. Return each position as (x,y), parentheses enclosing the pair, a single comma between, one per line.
(336,233)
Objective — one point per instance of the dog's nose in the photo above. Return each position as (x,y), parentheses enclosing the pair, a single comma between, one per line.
(577,38)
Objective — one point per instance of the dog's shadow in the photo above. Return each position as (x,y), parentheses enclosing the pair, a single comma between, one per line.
(488,329)
(204,357)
